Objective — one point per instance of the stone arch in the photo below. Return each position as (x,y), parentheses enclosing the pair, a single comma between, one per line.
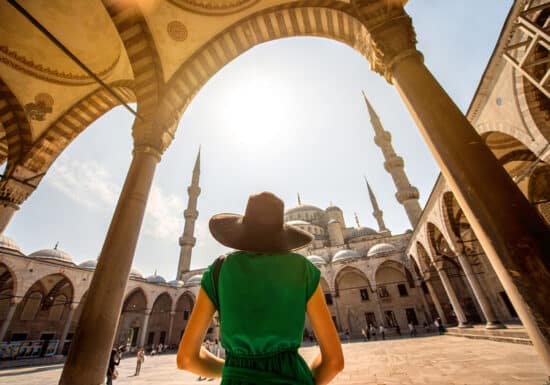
(159,320)
(521,163)
(15,130)
(426,263)
(325,19)
(68,126)
(140,47)
(45,306)
(132,318)
(183,309)
(391,273)
(360,276)
(8,288)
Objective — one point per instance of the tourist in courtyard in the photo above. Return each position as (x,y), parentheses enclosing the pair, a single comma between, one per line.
(439,325)
(373,331)
(347,335)
(262,293)
(112,372)
(160,348)
(412,329)
(382,331)
(140,357)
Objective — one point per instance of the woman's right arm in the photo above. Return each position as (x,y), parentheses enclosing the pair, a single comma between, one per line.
(327,364)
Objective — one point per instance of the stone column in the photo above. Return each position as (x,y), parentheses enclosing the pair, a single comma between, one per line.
(426,310)
(66,328)
(380,313)
(486,308)
(515,238)
(7,321)
(169,339)
(455,303)
(143,335)
(436,302)
(89,354)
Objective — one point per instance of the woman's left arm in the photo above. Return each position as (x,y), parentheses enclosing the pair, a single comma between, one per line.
(191,355)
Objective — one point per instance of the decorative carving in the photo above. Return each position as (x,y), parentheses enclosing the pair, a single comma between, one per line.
(214,7)
(391,34)
(29,67)
(177,30)
(42,105)
(14,192)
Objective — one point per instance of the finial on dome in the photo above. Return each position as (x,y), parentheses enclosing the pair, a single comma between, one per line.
(56,244)
(357,220)
(155,274)
(299,200)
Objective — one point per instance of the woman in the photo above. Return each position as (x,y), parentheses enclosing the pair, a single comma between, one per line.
(261,294)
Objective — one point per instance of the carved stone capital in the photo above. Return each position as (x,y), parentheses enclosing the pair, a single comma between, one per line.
(392,37)
(13,192)
(152,136)
(407,194)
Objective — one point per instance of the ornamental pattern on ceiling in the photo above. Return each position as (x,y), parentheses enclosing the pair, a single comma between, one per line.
(39,71)
(214,7)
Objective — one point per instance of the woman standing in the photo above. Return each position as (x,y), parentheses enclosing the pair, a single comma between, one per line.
(262,293)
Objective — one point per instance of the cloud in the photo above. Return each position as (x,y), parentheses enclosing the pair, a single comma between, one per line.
(86,182)
(91,184)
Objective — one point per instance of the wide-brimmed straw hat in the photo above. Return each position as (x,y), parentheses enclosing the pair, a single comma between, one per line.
(261,229)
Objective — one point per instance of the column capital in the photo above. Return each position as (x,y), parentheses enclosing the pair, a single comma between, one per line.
(13,192)
(153,135)
(392,35)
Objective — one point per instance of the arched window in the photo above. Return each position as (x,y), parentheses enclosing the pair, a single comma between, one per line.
(31,306)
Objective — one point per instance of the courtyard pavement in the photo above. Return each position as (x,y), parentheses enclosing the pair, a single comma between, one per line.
(441,360)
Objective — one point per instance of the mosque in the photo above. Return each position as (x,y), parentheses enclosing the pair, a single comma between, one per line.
(366,278)
(476,254)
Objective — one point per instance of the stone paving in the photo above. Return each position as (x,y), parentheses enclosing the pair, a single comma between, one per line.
(433,360)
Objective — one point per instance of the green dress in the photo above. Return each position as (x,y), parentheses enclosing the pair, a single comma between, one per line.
(262,310)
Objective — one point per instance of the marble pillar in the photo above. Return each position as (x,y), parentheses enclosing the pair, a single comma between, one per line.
(436,302)
(144,329)
(455,303)
(66,328)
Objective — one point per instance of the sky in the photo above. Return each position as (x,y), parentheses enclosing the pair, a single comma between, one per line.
(286,116)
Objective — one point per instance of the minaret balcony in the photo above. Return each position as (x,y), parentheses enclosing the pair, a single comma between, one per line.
(409,193)
(393,163)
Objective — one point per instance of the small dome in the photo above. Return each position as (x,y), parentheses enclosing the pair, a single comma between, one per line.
(176,283)
(380,249)
(317,260)
(155,279)
(89,264)
(299,208)
(135,273)
(52,255)
(361,232)
(194,280)
(8,243)
(298,223)
(345,254)
(333,208)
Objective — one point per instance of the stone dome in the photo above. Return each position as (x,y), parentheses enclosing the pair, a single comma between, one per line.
(298,223)
(89,264)
(155,278)
(135,273)
(317,260)
(333,208)
(8,243)
(380,249)
(345,254)
(194,280)
(300,208)
(54,255)
(176,283)
(361,232)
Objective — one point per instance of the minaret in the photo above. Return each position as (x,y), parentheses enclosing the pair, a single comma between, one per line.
(406,194)
(187,240)
(376,213)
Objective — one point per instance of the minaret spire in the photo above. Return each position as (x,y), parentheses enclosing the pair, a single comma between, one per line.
(299,200)
(406,194)
(187,240)
(376,213)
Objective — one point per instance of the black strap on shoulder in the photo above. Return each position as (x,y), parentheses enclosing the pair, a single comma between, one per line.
(217,268)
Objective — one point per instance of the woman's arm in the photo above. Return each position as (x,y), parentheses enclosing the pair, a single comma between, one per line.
(327,364)
(191,355)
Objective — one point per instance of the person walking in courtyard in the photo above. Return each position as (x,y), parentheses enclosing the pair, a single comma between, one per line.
(439,325)
(412,329)
(112,372)
(347,335)
(140,357)
(373,332)
(382,331)
(262,293)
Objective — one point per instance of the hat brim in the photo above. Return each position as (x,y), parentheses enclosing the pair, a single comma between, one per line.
(231,231)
